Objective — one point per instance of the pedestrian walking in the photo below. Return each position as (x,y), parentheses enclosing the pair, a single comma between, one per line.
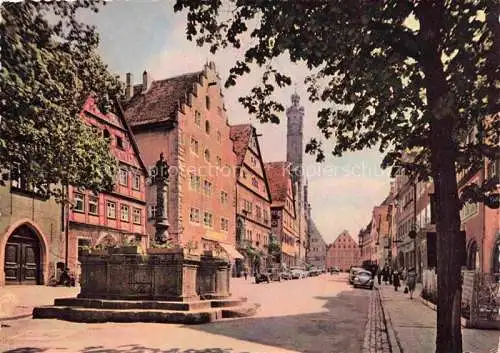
(385,274)
(395,280)
(412,281)
(391,275)
(379,276)
(245,273)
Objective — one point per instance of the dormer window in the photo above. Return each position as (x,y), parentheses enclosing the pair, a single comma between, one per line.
(119,142)
(207,102)
(207,155)
(106,134)
(207,127)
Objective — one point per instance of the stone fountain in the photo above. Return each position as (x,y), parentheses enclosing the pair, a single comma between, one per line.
(162,285)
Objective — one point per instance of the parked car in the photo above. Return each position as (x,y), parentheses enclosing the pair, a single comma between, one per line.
(297,273)
(363,279)
(353,272)
(335,270)
(286,275)
(313,273)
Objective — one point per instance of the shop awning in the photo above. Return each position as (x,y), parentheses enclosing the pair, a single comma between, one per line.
(231,251)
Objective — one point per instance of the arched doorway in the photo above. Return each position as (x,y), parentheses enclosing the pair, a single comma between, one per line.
(473,256)
(496,257)
(22,264)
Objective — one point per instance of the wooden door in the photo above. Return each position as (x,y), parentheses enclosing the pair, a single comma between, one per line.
(12,266)
(22,258)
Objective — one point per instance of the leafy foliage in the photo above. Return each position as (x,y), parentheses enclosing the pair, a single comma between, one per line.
(274,246)
(418,76)
(373,56)
(49,68)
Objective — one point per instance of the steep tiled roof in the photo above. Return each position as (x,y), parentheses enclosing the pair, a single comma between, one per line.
(240,134)
(160,101)
(277,176)
(314,232)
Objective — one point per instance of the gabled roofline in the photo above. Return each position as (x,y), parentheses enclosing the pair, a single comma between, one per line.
(121,115)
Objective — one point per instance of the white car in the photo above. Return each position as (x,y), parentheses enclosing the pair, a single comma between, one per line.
(296,274)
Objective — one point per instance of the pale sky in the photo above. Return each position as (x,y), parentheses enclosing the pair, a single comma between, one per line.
(148,35)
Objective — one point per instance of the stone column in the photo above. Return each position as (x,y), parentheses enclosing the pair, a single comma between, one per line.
(160,176)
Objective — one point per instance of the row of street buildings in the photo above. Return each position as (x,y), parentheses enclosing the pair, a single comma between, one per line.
(222,196)
(402,230)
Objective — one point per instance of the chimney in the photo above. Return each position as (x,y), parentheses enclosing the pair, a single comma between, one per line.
(129,89)
(145,81)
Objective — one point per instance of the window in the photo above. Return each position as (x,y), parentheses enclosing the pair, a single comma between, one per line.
(119,142)
(194,146)
(207,102)
(136,185)
(219,161)
(83,243)
(255,182)
(123,177)
(224,224)
(492,169)
(137,216)
(258,212)
(195,182)
(111,209)
(106,135)
(197,118)
(207,127)
(207,155)
(208,219)
(266,217)
(79,202)
(124,213)
(244,175)
(219,137)
(151,212)
(194,215)
(253,161)
(224,197)
(207,187)
(93,205)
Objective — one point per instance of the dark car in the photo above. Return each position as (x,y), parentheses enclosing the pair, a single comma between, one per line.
(363,279)
(353,272)
(268,276)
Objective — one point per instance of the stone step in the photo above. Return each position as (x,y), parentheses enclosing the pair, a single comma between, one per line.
(92,315)
(223,303)
(244,310)
(96,315)
(132,304)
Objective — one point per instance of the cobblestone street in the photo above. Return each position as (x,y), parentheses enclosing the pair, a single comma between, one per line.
(317,315)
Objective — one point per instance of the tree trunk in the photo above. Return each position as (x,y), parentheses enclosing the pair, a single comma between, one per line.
(442,111)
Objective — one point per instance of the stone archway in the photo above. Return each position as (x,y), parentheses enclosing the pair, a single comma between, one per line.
(496,256)
(23,255)
(473,255)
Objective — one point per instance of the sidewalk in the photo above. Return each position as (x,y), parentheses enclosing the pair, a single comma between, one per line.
(19,301)
(414,325)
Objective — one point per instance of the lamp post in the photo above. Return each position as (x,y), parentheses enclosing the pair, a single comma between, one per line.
(413,232)
(159,174)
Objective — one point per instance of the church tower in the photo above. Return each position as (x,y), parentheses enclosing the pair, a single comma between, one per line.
(295,126)
(294,154)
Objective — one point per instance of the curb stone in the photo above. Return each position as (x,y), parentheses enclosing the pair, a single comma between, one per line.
(394,343)
(377,336)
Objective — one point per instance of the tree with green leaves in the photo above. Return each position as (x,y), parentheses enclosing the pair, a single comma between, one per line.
(50,67)
(417,75)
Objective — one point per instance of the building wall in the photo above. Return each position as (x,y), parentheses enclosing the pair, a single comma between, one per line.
(253,201)
(343,252)
(43,217)
(317,250)
(89,226)
(191,162)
